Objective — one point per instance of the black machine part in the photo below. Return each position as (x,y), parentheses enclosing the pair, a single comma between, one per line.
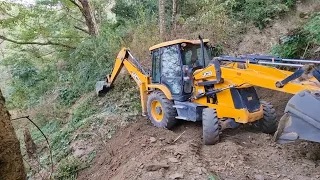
(301,119)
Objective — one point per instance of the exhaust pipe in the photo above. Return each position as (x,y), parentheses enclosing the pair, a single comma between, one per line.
(301,119)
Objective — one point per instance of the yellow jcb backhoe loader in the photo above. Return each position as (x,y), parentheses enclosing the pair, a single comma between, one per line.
(186,83)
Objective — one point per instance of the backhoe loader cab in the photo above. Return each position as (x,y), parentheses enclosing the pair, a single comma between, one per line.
(171,61)
(186,83)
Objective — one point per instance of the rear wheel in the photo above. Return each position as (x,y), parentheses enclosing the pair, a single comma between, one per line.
(161,111)
(268,124)
(210,126)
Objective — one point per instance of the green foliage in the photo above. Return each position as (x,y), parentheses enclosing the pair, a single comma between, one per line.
(60,144)
(259,12)
(127,10)
(213,177)
(313,27)
(29,81)
(68,169)
(91,156)
(293,46)
(299,43)
(82,112)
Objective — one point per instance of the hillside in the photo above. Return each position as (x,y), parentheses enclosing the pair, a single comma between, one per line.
(136,149)
(105,137)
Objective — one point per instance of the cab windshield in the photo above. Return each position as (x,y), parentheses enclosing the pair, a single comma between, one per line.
(191,55)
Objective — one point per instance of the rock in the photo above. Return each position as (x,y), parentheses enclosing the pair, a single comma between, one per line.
(141,165)
(153,140)
(143,145)
(199,170)
(304,15)
(194,144)
(174,160)
(204,170)
(156,167)
(258,177)
(267,138)
(176,176)
(127,143)
(240,162)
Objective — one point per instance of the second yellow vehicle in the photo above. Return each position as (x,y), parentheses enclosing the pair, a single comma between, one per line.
(186,83)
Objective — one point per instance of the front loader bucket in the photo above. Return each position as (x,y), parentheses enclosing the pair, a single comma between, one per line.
(102,87)
(301,119)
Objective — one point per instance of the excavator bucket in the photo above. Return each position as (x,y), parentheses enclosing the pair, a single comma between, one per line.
(301,119)
(102,87)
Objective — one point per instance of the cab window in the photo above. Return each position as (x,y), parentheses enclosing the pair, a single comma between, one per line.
(156,66)
(191,55)
(171,72)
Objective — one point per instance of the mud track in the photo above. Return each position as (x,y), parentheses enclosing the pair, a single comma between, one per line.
(141,151)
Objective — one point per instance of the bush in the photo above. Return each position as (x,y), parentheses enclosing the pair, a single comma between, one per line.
(259,12)
(68,169)
(292,46)
(300,42)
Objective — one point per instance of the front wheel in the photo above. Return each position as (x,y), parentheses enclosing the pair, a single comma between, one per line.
(210,126)
(268,124)
(161,111)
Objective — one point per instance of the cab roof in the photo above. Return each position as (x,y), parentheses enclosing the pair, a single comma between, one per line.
(178,41)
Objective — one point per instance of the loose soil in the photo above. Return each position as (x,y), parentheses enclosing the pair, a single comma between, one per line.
(141,151)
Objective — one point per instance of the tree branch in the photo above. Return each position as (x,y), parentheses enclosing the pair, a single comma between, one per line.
(76,4)
(81,29)
(37,43)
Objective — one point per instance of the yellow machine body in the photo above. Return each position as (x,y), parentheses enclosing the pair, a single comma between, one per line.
(231,76)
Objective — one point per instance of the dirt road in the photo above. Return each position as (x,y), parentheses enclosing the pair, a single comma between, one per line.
(141,151)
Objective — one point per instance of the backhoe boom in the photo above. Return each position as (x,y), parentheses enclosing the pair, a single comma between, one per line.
(135,70)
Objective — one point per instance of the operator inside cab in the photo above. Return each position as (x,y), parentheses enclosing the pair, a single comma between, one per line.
(191,55)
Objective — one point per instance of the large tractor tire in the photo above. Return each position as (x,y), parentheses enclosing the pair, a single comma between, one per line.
(161,111)
(210,126)
(268,124)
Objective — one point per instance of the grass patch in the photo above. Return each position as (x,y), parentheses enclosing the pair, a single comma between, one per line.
(68,169)
(91,156)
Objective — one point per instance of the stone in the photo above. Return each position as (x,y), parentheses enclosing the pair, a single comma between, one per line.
(176,176)
(258,177)
(153,140)
(174,160)
(156,167)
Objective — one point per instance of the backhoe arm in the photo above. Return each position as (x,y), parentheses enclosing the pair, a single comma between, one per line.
(135,70)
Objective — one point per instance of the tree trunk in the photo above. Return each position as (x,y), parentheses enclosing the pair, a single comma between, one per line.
(174,14)
(162,19)
(11,163)
(88,13)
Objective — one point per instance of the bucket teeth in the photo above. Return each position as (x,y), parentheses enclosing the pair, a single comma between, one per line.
(301,119)
(281,125)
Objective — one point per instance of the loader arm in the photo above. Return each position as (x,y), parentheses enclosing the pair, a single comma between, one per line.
(136,72)
(261,76)
(301,119)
